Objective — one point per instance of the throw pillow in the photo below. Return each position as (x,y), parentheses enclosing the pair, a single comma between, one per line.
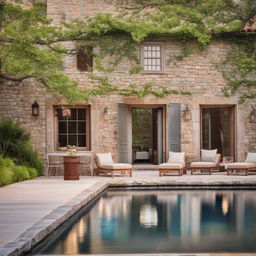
(208,155)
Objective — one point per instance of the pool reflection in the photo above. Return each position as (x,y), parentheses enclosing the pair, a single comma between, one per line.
(164,221)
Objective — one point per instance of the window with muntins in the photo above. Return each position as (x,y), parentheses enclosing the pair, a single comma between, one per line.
(152,58)
(73,130)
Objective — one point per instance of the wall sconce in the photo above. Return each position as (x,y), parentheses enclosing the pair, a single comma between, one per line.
(252,115)
(105,111)
(66,112)
(61,112)
(187,113)
(35,109)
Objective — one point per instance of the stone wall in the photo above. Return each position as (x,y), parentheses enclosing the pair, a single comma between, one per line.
(77,9)
(196,73)
(15,102)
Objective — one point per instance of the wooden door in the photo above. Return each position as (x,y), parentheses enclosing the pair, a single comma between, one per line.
(217,129)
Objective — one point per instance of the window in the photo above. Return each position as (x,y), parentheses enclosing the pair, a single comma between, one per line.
(85,59)
(73,130)
(152,57)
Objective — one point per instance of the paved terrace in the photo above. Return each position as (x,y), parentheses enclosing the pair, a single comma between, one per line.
(31,209)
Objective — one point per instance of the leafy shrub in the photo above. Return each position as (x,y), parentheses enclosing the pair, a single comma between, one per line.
(6,171)
(20,173)
(14,143)
(32,172)
(9,172)
(26,155)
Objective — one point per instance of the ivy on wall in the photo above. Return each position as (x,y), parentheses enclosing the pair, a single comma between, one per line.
(31,47)
(187,22)
(239,69)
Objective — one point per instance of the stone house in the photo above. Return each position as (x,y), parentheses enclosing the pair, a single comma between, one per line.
(128,125)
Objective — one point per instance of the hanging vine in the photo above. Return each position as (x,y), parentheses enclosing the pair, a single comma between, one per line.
(116,37)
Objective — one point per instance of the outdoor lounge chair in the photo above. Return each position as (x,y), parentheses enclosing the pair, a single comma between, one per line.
(248,165)
(176,163)
(209,161)
(106,165)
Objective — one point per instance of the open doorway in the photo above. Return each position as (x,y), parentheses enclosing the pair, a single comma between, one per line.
(217,130)
(147,135)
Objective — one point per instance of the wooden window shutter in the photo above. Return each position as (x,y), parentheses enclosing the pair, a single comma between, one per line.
(124,134)
(85,59)
(174,127)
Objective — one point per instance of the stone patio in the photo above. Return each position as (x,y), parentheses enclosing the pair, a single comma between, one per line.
(32,209)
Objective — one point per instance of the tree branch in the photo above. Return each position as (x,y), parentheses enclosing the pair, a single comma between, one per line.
(15,79)
(6,40)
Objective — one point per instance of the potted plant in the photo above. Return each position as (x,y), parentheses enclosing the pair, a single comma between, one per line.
(71,150)
(71,164)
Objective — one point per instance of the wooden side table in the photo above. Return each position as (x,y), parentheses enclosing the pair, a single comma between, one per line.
(71,167)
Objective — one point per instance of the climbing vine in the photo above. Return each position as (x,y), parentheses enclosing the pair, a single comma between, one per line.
(239,69)
(188,22)
(32,46)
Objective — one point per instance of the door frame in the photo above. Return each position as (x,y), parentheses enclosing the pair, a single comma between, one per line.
(164,124)
(233,129)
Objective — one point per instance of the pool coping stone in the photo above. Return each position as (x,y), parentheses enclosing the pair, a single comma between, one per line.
(37,232)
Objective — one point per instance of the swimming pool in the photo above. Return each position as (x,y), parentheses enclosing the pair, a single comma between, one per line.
(160,222)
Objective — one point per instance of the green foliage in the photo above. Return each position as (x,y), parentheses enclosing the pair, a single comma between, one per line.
(31,45)
(142,128)
(14,143)
(6,174)
(10,172)
(187,21)
(105,87)
(26,155)
(136,69)
(32,172)
(239,69)
(20,173)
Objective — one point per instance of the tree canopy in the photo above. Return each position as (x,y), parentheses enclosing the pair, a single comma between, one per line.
(32,47)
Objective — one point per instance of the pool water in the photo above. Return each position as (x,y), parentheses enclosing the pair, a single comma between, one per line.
(161,222)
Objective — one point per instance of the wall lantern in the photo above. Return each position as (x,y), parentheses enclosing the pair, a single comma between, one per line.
(187,113)
(66,112)
(252,115)
(35,109)
(62,112)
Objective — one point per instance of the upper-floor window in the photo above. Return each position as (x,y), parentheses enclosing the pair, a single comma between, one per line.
(73,127)
(85,59)
(152,57)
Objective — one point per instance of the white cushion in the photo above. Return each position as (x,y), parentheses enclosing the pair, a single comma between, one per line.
(116,166)
(203,164)
(176,157)
(241,165)
(104,159)
(218,157)
(250,158)
(208,155)
(171,166)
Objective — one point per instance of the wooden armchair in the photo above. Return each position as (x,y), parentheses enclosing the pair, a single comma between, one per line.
(106,165)
(209,161)
(176,163)
(249,165)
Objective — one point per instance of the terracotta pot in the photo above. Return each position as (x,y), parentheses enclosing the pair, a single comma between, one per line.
(71,167)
